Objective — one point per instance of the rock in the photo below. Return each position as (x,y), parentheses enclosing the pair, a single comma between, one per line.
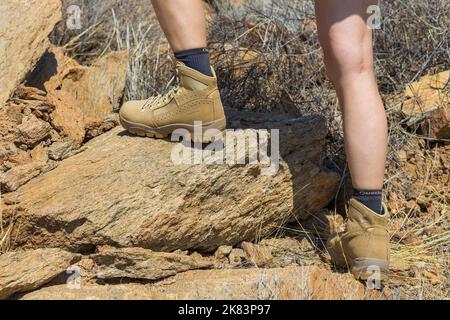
(426,95)
(308,24)
(257,255)
(323,224)
(80,92)
(24,29)
(399,265)
(98,89)
(51,164)
(10,117)
(51,69)
(33,130)
(60,150)
(143,264)
(67,117)
(222,252)
(286,251)
(178,251)
(29,93)
(7,150)
(432,277)
(24,135)
(126,191)
(12,156)
(276,252)
(40,109)
(428,99)
(95,127)
(236,256)
(291,283)
(39,155)
(402,155)
(437,125)
(12,179)
(22,153)
(29,270)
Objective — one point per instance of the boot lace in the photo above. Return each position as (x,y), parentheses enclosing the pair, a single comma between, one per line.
(162,99)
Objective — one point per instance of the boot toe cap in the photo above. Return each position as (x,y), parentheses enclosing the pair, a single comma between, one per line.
(131,111)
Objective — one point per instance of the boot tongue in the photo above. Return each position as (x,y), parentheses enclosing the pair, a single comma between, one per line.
(191,80)
(357,211)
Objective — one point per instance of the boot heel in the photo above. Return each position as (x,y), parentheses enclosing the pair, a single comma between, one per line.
(207,138)
(365,268)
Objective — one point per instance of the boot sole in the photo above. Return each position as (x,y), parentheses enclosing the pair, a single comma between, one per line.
(163,132)
(367,268)
(363,268)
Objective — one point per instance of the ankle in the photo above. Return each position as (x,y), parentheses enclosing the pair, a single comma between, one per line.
(372,199)
(197,59)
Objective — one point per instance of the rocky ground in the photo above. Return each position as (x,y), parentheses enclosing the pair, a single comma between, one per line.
(90,212)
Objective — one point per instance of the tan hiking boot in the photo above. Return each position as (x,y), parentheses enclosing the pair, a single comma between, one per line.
(363,245)
(194,99)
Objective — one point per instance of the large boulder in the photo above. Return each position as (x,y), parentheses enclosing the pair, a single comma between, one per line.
(24,29)
(291,283)
(126,191)
(29,270)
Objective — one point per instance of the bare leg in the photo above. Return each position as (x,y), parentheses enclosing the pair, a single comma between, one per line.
(195,97)
(183,22)
(347,45)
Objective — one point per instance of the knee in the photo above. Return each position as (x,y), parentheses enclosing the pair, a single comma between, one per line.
(346,55)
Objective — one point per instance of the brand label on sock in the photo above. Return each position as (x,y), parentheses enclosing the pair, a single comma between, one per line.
(368,192)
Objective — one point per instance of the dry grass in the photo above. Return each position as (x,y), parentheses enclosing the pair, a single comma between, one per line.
(6,227)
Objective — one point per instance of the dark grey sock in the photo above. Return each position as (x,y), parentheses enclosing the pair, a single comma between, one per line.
(370,198)
(197,59)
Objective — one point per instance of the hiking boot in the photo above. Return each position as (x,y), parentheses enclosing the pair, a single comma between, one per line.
(363,245)
(195,99)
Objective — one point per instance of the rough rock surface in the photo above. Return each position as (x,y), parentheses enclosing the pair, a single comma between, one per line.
(428,105)
(144,264)
(49,116)
(427,94)
(67,117)
(98,89)
(259,256)
(29,270)
(291,283)
(125,191)
(95,127)
(94,91)
(223,252)
(286,251)
(437,124)
(236,257)
(25,132)
(82,95)
(32,130)
(22,44)
(19,175)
